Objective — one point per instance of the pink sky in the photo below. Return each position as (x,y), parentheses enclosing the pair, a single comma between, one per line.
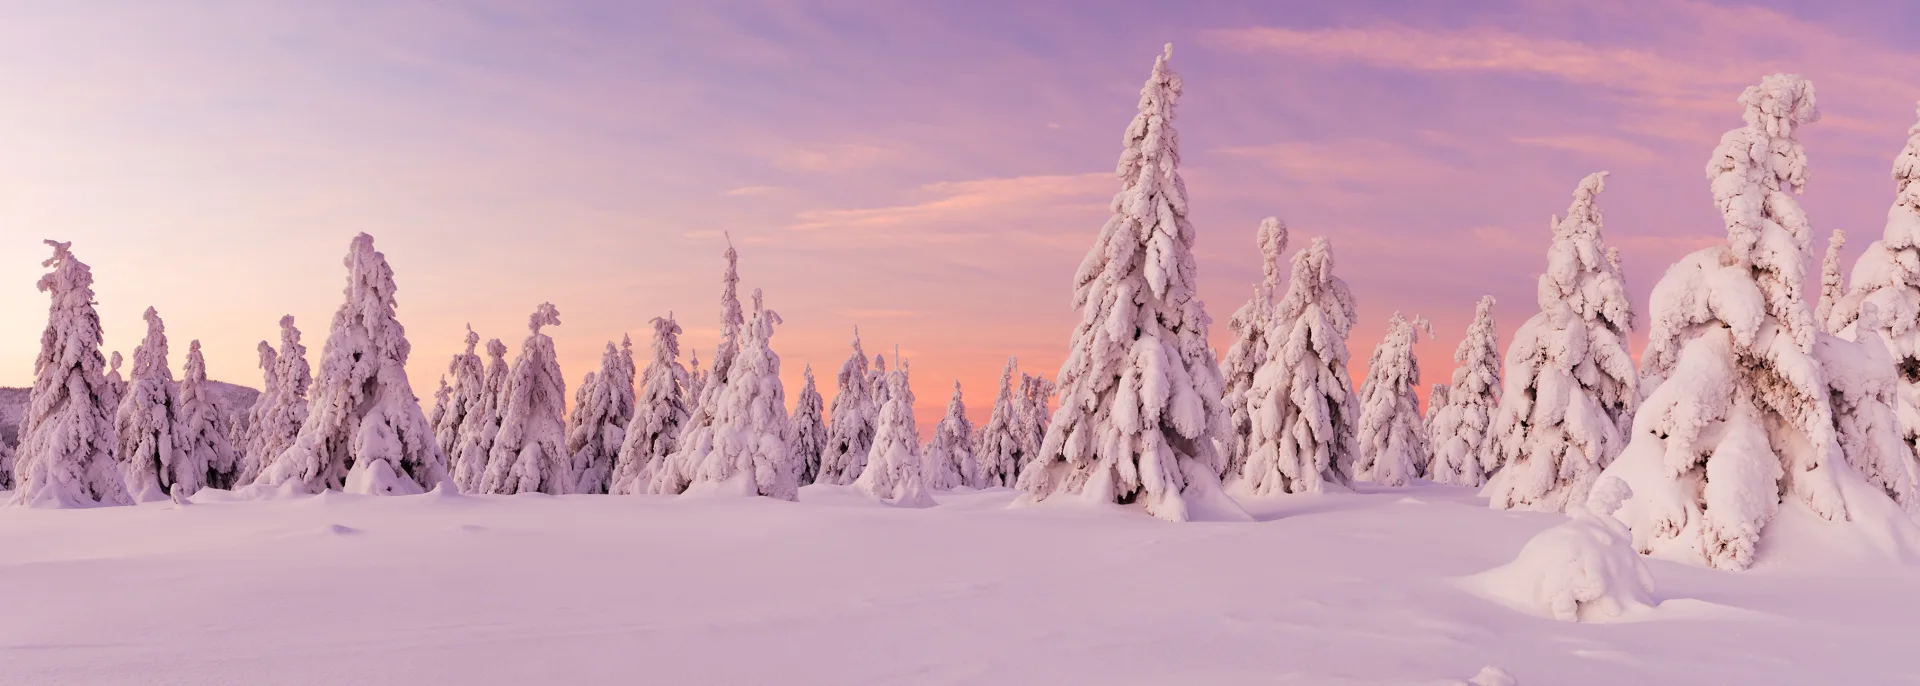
(930,173)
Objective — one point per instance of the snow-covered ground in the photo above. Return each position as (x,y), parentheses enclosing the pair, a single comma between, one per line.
(838,589)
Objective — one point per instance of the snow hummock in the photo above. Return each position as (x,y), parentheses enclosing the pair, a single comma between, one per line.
(1583,570)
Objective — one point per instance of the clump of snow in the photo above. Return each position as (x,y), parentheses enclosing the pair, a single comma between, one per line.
(1302,402)
(1460,413)
(658,416)
(893,471)
(850,436)
(1249,348)
(530,451)
(1392,433)
(1583,570)
(66,454)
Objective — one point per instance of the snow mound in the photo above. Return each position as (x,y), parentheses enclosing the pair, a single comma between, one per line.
(376,477)
(1583,570)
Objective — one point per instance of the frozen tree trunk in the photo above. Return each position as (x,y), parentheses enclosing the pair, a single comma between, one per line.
(850,436)
(1000,448)
(893,467)
(1393,438)
(481,426)
(658,415)
(67,442)
(1249,348)
(464,396)
(1141,393)
(1301,403)
(530,451)
(147,423)
(675,473)
(601,412)
(1569,390)
(364,432)
(1463,412)
(949,454)
(743,449)
(282,407)
(201,434)
(809,431)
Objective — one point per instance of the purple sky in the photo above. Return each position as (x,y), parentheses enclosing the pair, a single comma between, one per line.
(931,172)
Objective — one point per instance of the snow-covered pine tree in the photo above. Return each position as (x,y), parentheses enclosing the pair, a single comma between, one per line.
(999,449)
(201,436)
(1863,386)
(1302,401)
(1393,438)
(674,474)
(601,412)
(1036,394)
(658,415)
(1569,390)
(1832,288)
(1464,411)
(893,467)
(464,396)
(482,425)
(66,452)
(949,454)
(364,432)
(116,385)
(282,407)
(243,430)
(696,379)
(877,383)
(1249,348)
(148,419)
(743,450)
(530,451)
(1141,390)
(850,436)
(1739,417)
(809,431)
(442,397)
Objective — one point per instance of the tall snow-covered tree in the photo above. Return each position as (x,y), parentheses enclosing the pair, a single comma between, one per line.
(282,407)
(67,441)
(809,431)
(365,432)
(893,467)
(743,449)
(1301,402)
(1393,438)
(1739,419)
(601,412)
(1249,348)
(201,435)
(1036,393)
(877,381)
(999,449)
(1141,391)
(850,436)
(1569,391)
(148,420)
(658,415)
(464,396)
(482,425)
(696,379)
(674,474)
(1464,411)
(116,387)
(949,454)
(1832,287)
(530,451)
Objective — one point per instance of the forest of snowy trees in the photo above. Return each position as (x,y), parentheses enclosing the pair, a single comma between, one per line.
(1752,394)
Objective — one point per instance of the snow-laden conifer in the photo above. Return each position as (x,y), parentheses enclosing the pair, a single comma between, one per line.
(893,467)
(67,441)
(201,435)
(1000,447)
(601,412)
(1832,287)
(464,396)
(809,431)
(1393,437)
(477,431)
(243,428)
(147,423)
(675,473)
(1036,392)
(1141,390)
(1569,390)
(116,386)
(364,432)
(877,387)
(1249,348)
(658,414)
(850,436)
(1463,412)
(1302,403)
(282,406)
(949,453)
(1863,386)
(696,378)
(530,451)
(742,450)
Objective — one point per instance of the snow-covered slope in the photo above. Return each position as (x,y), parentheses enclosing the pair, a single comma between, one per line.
(1363,588)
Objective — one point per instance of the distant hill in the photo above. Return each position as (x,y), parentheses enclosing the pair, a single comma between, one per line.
(233,399)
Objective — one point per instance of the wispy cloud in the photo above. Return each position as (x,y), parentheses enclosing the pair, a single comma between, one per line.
(751,190)
(963,210)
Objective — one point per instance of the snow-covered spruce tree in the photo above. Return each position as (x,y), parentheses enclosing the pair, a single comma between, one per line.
(809,431)
(6,466)
(116,386)
(1249,348)
(66,452)
(1832,287)
(1739,419)
(477,431)
(282,407)
(201,437)
(696,379)
(464,396)
(678,470)
(1301,401)
(1036,393)
(442,397)
(1463,412)
(949,454)
(1863,388)
(1569,390)
(893,467)
(850,436)
(530,451)
(601,412)
(364,432)
(1393,437)
(999,449)
(658,415)
(1141,391)
(743,450)
(147,423)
